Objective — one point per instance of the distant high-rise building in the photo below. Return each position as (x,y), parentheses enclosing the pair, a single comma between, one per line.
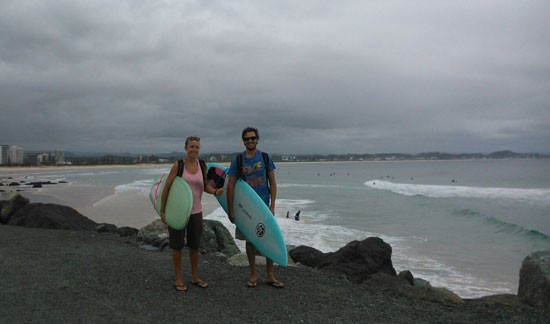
(32,158)
(4,154)
(45,158)
(11,154)
(59,157)
(15,155)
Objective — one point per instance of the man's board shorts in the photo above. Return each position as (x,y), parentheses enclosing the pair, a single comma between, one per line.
(193,230)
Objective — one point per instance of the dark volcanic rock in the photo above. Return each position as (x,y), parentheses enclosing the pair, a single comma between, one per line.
(407,276)
(306,255)
(105,228)
(126,231)
(215,237)
(358,259)
(422,290)
(120,231)
(534,279)
(39,184)
(9,207)
(155,234)
(51,216)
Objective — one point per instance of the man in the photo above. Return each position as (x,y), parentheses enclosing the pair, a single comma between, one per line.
(258,174)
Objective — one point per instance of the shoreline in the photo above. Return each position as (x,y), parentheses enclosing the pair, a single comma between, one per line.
(19,169)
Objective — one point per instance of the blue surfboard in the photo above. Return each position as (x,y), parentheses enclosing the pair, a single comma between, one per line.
(252,217)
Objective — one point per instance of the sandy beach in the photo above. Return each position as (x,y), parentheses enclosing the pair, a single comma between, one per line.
(18,169)
(102,204)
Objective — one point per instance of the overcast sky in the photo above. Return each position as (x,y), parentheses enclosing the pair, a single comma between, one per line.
(366,76)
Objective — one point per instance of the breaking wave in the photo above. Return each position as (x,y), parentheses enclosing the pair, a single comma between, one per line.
(504,227)
(440,191)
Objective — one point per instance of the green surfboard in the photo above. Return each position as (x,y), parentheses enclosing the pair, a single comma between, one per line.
(178,204)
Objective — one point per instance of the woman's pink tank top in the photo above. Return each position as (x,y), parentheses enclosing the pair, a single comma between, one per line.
(196,183)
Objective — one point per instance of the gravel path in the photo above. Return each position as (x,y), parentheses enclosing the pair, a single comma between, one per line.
(56,276)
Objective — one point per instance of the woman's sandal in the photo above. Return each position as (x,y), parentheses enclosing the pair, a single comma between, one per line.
(200,284)
(276,284)
(180,287)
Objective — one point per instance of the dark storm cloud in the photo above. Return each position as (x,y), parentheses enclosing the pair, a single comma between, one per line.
(333,77)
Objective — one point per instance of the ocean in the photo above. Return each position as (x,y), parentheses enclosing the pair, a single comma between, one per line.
(465,225)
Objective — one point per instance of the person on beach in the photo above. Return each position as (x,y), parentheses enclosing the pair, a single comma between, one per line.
(297,216)
(193,171)
(260,175)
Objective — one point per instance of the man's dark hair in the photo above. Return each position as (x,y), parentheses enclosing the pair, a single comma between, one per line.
(250,129)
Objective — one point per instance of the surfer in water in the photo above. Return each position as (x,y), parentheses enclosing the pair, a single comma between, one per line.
(260,175)
(193,171)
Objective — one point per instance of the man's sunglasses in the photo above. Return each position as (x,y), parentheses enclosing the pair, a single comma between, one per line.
(246,139)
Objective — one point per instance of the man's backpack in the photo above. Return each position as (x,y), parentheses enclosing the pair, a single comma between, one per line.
(202,166)
(240,174)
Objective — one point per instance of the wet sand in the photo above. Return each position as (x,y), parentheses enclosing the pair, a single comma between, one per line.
(102,204)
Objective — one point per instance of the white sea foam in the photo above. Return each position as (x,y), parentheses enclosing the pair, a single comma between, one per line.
(322,237)
(439,191)
(330,238)
(293,203)
(140,186)
(440,274)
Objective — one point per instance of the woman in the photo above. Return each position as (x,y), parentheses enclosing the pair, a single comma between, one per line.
(193,174)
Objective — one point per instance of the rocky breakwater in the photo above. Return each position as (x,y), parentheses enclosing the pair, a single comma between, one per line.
(18,183)
(19,211)
(368,263)
(364,263)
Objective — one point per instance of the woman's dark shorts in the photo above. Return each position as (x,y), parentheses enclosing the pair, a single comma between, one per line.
(194,233)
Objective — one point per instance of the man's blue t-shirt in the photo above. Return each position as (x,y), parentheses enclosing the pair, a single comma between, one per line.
(254,171)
